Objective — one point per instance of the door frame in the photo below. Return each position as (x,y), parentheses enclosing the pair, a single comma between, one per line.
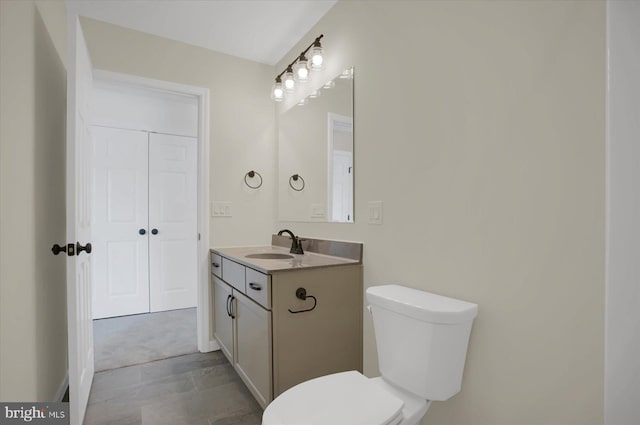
(205,343)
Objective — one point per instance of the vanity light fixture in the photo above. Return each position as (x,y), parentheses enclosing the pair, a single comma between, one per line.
(298,70)
(277,92)
(302,68)
(317,55)
(289,81)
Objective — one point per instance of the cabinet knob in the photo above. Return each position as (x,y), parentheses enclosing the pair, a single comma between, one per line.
(142,231)
(154,231)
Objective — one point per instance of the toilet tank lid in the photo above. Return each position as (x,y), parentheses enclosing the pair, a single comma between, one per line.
(422,305)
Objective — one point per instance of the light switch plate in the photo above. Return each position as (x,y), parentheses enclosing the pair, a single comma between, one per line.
(221,209)
(375,212)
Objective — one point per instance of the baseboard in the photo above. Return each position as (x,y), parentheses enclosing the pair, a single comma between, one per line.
(62,389)
(211,345)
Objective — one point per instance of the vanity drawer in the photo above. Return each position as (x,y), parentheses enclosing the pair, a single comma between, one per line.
(233,274)
(259,287)
(216,265)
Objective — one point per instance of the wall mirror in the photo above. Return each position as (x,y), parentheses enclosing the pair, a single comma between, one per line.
(315,153)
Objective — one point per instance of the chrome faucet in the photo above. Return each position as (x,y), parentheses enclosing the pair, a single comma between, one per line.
(296,245)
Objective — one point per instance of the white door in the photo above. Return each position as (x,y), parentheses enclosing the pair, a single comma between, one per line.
(173,228)
(78,204)
(342,205)
(120,222)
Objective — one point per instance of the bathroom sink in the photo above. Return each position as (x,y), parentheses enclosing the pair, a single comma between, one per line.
(270,256)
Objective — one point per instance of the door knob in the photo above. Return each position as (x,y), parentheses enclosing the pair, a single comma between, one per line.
(57,249)
(154,231)
(80,248)
(142,231)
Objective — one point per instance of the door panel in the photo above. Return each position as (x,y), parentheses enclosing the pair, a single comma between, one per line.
(253,347)
(173,214)
(223,324)
(78,207)
(121,271)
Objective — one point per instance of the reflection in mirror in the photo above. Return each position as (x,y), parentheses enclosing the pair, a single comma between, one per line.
(316,141)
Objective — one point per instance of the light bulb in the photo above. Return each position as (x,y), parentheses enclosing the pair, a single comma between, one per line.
(277,92)
(317,56)
(289,82)
(301,69)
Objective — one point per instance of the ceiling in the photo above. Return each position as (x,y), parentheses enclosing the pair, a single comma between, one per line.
(258,30)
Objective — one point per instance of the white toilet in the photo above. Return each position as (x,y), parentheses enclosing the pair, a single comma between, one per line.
(422,343)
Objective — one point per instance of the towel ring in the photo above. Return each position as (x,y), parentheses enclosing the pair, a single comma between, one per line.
(295,178)
(251,174)
(301,294)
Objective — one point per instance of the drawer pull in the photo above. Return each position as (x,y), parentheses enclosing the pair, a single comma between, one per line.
(255,286)
(230,311)
(216,265)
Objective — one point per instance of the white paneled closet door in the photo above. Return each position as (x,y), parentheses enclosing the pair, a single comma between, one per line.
(120,217)
(172,221)
(145,222)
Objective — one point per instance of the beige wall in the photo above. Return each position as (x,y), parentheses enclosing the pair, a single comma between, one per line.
(481,126)
(241,118)
(33,329)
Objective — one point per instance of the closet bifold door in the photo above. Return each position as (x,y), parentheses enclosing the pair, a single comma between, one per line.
(120,211)
(172,222)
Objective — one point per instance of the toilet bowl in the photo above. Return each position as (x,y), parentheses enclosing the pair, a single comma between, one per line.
(421,341)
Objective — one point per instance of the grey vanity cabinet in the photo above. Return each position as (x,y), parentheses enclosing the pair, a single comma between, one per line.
(274,339)
(242,327)
(253,343)
(223,322)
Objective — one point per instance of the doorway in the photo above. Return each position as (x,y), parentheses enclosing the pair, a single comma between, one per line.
(150,226)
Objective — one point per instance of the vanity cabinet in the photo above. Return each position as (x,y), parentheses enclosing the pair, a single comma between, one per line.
(253,347)
(223,322)
(272,337)
(242,326)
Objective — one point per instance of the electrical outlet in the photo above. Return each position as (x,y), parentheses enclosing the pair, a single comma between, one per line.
(317,211)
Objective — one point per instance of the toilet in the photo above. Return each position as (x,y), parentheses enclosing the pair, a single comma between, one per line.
(422,343)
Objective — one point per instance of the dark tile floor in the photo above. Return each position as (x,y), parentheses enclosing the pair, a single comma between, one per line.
(194,389)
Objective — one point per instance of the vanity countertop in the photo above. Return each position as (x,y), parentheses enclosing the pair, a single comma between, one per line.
(308,260)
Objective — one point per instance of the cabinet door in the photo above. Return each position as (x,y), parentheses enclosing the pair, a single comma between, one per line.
(253,356)
(223,323)
(120,215)
(172,222)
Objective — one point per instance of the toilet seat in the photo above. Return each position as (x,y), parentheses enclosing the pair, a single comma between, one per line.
(346,398)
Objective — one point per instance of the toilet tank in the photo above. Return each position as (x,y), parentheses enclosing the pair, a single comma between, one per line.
(421,339)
